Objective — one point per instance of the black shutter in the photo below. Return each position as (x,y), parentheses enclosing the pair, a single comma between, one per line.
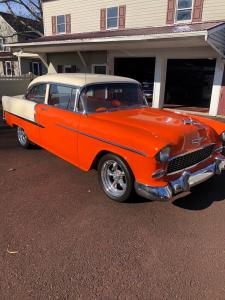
(40,68)
(31,69)
(73,69)
(60,69)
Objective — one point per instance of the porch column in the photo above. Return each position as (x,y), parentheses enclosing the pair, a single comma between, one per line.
(217,83)
(19,66)
(159,82)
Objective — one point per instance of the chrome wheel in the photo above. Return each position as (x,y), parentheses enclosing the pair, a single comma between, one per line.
(22,137)
(113,178)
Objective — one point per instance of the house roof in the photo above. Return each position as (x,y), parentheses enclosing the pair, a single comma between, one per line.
(181,28)
(20,24)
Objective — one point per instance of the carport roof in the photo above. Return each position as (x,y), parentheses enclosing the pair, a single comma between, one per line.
(181,28)
(180,35)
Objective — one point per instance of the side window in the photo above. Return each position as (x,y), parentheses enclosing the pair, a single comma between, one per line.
(37,93)
(62,96)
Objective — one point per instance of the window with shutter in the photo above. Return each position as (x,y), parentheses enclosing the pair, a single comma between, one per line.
(184,10)
(112,18)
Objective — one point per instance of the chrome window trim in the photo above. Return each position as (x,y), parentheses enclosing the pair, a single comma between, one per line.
(102,140)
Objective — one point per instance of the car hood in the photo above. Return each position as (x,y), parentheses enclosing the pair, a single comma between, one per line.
(168,127)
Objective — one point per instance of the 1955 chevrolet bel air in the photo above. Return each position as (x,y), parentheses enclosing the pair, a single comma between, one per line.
(104,122)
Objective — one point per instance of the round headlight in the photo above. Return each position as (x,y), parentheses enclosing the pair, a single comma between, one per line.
(164,154)
(222,136)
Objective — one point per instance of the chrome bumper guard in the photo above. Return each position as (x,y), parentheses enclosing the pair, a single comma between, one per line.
(183,184)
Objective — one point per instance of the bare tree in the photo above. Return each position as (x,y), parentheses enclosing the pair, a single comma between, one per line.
(26,8)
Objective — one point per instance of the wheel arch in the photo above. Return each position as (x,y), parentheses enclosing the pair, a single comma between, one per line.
(102,153)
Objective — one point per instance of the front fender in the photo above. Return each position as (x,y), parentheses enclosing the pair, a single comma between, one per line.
(218,126)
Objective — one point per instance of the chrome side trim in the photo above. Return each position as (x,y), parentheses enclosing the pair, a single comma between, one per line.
(27,120)
(102,140)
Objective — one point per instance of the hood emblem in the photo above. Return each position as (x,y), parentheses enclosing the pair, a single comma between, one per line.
(190,122)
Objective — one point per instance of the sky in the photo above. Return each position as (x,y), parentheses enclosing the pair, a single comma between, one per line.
(16,8)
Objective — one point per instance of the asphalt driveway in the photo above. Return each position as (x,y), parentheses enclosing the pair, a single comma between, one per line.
(61,238)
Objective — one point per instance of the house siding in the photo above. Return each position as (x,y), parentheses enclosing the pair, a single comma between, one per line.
(90,58)
(86,17)
(213,10)
(142,13)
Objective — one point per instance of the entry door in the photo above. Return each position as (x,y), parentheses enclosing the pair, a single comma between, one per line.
(60,123)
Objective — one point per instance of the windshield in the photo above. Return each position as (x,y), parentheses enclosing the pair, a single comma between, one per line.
(112,96)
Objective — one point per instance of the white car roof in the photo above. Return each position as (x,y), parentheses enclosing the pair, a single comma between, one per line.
(80,79)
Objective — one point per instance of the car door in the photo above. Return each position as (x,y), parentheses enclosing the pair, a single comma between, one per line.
(60,122)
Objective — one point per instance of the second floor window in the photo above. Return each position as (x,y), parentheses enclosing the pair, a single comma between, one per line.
(184,10)
(112,17)
(61,24)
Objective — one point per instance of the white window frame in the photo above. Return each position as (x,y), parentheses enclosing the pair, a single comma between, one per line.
(99,65)
(6,69)
(112,28)
(180,9)
(36,63)
(57,24)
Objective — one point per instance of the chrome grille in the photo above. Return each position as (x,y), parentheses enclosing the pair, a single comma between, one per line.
(190,159)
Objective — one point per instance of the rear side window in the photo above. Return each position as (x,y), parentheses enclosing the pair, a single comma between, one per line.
(62,96)
(37,93)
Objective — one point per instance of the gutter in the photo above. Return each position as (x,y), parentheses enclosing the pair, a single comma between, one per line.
(113,39)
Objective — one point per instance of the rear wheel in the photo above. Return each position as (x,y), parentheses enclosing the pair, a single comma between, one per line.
(115,177)
(22,138)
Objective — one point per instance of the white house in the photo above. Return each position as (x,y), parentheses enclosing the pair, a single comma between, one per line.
(179,45)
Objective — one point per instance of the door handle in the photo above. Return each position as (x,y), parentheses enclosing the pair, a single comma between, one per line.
(44,108)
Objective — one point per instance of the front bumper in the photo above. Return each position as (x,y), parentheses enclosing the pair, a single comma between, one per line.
(181,185)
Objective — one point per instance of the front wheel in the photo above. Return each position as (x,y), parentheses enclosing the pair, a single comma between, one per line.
(115,177)
(22,138)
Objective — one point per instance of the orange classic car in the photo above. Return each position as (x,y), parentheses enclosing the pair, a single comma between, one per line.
(104,123)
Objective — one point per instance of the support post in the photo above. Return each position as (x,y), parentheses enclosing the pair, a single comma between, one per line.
(159,82)
(82,59)
(217,83)
(19,65)
(43,58)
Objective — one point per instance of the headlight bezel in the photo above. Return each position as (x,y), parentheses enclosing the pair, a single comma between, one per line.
(163,155)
